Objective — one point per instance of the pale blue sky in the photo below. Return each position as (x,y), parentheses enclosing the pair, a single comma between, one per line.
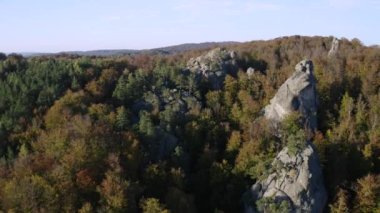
(63,25)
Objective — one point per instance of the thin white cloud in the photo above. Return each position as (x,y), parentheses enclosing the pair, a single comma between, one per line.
(205,4)
(375,3)
(111,18)
(344,4)
(215,5)
(353,4)
(255,5)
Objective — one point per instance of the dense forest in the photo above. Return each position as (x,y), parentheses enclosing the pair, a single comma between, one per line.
(142,133)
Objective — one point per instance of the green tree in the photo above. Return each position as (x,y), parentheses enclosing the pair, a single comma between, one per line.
(368,194)
(117,194)
(293,133)
(152,205)
(268,204)
(146,126)
(30,194)
(341,204)
(122,118)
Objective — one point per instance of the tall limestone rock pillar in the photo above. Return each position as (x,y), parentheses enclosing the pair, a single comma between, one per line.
(334,47)
(298,93)
(296,178)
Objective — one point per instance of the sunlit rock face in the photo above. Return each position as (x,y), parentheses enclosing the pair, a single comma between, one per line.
(298,93)
(214,66)
(295,178)
(334,47)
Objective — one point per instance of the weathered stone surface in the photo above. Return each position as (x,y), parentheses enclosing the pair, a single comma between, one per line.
(296,178)
(250,71)
(214,66)
(334,47)
(298,93)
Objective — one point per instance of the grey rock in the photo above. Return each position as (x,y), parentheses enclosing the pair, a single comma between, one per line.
(299,179)
(214,66)
(334,47)
(250,71)
(298,93)
(296,178)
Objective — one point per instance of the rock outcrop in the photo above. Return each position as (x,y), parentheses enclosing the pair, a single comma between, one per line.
(295,178)
(214,66)
(251,71)
(334,47)
(298,93)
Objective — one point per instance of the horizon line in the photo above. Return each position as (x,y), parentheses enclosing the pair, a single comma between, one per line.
(173,45)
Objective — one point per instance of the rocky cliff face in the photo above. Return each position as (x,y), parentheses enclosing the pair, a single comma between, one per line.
(298,93)
(296,178)
(214,66)
(334,47)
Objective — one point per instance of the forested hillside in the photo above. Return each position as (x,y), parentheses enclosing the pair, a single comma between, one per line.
(181,132)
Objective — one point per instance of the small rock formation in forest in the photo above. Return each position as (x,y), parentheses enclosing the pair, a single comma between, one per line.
(298,93)
(334,47)
(251,71)
(214,66)
(296,178)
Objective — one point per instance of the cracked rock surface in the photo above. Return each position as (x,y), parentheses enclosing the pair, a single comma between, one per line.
(297,177)
(214,66)
(298,93)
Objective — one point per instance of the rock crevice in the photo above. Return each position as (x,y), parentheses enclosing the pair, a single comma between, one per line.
(296,177)
(298,93)
(214,66)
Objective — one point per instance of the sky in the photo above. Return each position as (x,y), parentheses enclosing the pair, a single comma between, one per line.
(67,25)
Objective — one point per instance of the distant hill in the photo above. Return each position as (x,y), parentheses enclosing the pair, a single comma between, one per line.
(162,50)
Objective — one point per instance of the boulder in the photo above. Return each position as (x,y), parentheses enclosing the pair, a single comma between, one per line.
(214,66)
(250,71)
(294,177)
(298,93)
